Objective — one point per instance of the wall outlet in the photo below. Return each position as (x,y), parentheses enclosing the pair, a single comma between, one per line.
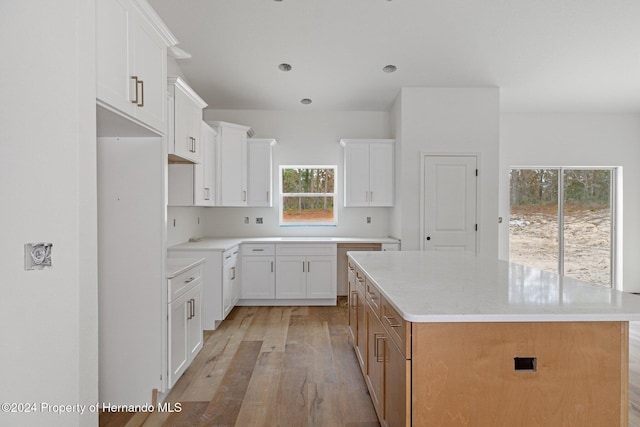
(259,220)
(368,220)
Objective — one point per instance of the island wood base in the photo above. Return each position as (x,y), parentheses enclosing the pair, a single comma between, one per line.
(463,374)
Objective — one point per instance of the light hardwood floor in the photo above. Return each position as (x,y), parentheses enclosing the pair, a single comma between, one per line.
(288,366)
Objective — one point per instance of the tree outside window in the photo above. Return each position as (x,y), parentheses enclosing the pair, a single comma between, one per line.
(307,195)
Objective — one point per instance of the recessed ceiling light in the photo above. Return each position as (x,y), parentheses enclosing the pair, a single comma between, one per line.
(285,67)
(389,68)
(306,101)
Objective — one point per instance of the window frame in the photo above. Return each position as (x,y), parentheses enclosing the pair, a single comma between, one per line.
(333,194)
(615,204)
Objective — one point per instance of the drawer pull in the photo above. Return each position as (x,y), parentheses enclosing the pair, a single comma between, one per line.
(190,279)
(376,350)
(393,324)
(257,250)
(227,257)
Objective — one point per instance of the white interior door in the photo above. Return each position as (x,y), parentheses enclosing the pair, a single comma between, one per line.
(449,203)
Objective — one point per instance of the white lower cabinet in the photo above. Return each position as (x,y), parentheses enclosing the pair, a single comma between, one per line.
(289,273)
(306,276)
(185,331)
(221,284)
(230,281)
(258,271)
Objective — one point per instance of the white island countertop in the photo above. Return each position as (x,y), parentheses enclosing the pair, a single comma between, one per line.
(460,287)
(225,243)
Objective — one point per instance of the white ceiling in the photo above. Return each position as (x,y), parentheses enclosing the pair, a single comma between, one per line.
(544,55)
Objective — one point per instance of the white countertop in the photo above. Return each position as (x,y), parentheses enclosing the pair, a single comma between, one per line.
(176,266)
(459,287)
(222,244)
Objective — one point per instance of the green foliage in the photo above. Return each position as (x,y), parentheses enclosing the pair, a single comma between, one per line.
(540,186)
(310,181)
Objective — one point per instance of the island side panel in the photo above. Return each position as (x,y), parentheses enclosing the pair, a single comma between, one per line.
(463,374)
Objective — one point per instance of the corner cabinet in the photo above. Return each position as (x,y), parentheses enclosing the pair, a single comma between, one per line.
(260,171)
(185,122)
(231,163)
(131,62)
(368,172)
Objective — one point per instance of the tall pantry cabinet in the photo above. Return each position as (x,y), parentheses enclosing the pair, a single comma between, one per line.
(131,47)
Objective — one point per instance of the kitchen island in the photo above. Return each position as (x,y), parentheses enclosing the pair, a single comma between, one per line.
(451,339)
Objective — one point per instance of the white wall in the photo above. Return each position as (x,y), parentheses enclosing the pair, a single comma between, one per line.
(48,318)
(534,139)
(189,222)
(304,137)
(447,120)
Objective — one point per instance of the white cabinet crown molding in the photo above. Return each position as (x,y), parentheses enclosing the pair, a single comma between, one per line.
(347,141)
(220,124)
(178,82)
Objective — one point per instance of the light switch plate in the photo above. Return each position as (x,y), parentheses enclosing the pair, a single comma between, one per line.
(37,255)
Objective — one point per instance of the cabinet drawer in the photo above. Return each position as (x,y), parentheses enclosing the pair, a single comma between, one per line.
(258,249)
(373,296)
(230,255)
(179,284)
(397,328)
(305,249)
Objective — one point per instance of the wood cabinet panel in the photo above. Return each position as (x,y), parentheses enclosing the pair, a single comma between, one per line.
(466,371)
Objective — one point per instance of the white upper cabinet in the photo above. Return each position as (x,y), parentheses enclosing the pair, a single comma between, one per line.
(368,172)
(204,173)
(131,61)
(260,172)
(231,166)
(185,123)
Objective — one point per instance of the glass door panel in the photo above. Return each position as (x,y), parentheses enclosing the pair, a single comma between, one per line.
(587,224)
(533,221)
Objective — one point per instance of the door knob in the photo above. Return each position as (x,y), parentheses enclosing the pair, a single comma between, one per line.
(428,237)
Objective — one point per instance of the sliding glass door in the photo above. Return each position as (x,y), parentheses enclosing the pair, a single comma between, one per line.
(562,221)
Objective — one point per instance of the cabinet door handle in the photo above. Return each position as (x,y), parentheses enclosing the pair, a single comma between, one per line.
(190,279)
(195,145)
(303,266)
(135,84)
(189,310)
(308,266)
(272,266)
(353,304)
(376,349)
(207,193)
(244,195)
(233,274)
(371,196)
(141,104)
(393,324)
(267,196)
(193,308)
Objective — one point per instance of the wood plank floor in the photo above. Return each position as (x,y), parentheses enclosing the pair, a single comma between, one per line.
(288,366)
